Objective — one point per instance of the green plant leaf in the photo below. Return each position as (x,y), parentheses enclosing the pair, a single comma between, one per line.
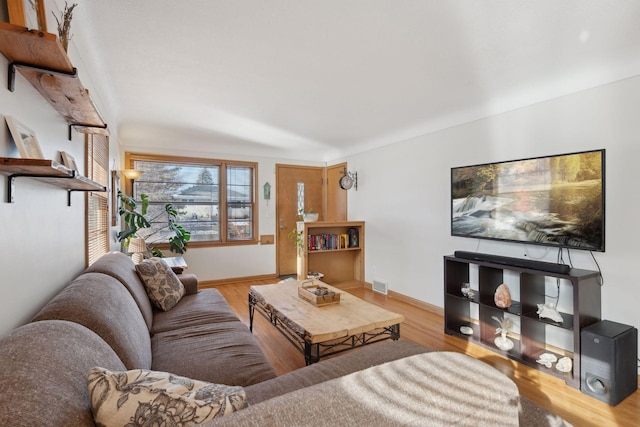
(134,221)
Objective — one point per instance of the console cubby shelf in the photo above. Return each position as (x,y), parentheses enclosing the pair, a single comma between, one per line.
(47,171)
(533,337)
(343,267)
(40,58)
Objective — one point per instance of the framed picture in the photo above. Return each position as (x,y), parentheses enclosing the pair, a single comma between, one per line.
(68,161)
(25,139)
(115,189)
(28,13)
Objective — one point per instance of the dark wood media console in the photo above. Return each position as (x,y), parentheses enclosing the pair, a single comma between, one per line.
(532,338)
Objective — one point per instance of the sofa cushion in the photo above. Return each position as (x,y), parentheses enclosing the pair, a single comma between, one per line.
(100,303)
(334,367)
(158,398)
(207,306)
(120,266)
(163,286)
(223,353)
(43,373)
(439,389)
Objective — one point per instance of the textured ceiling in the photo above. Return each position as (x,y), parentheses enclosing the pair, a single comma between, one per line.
(322,79)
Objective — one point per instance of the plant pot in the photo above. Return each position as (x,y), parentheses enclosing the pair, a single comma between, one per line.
(311,217)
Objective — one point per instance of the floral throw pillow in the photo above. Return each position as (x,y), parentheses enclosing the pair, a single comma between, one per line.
(161,283)
(142,397)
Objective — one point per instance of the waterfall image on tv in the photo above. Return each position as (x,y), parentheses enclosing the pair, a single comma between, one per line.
(554,200)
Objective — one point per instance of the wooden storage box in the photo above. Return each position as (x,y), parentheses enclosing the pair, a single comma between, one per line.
(308,293)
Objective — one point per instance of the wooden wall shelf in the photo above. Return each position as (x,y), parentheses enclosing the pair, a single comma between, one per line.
(47,171)
(40,58)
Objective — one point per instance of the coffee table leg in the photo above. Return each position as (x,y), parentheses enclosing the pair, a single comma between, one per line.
(252,308)
(311,353)
(395,332)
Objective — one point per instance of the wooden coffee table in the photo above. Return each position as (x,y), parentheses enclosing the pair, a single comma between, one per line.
(322,331)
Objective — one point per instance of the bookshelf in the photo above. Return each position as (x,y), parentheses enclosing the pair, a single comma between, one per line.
(328,249)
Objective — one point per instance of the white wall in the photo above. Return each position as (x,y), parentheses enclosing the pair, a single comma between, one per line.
(403,192)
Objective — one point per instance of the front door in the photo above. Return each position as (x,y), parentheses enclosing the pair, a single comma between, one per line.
(294,185)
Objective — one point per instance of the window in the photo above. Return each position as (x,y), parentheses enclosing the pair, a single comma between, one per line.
(97,221)
(215,199)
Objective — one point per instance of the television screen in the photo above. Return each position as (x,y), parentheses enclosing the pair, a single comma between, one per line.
(554,200)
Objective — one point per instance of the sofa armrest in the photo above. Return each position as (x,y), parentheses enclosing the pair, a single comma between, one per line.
(190,283)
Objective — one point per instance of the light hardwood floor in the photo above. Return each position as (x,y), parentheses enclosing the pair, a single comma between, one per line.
(426,328)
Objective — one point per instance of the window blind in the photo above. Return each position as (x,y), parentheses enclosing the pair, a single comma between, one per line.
(97,204)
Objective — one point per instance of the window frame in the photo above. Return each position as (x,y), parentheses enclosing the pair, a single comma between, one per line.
(131,158)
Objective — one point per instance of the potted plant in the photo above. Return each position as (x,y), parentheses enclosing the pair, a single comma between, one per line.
(135,220)
(308,216)
(297,236)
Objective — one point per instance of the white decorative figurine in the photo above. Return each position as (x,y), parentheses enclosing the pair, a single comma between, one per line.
(502,297)
(565,364)
(503,342)
(549,311)
(547,359)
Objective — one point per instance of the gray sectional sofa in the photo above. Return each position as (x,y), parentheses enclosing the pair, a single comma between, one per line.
(104,319)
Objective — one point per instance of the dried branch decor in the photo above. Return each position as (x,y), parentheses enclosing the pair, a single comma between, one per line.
(64,27)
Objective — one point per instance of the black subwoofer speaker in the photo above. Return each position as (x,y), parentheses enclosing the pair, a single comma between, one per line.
(609,361)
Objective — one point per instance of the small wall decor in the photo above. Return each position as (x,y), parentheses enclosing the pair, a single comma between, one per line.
(27,13)
(349,180)
(64,25)
(115,189)
(267,192)
(25,139)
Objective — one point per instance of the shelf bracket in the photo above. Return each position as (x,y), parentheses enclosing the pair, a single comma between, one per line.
(84,125)
(71,190)
(11,185)
(11,75)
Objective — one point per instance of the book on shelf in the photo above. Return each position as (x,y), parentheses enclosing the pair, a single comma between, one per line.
(326,241)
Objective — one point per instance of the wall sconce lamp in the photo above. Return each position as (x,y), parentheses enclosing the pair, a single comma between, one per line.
(132,175)
(137,246)
(348,180)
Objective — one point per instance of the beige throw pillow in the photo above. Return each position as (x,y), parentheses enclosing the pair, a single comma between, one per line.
(141,397)
(161,283)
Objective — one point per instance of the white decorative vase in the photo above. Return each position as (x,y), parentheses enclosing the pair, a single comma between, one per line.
(503,343)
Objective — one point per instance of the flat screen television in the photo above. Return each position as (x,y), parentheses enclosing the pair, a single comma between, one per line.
(553,200)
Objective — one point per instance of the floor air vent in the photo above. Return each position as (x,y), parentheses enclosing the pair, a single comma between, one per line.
(380,287)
